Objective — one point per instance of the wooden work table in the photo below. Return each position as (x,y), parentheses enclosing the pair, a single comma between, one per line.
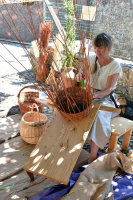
(58,149)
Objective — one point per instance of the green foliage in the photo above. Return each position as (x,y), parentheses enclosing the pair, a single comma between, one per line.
(9,186)
(81,84)
(70,33)
(122,95)
(46,187)
(28,3)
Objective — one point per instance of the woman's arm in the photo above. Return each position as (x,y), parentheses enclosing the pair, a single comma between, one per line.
(111,81)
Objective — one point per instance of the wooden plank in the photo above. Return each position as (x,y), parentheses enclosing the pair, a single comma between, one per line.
(45,102)
(59,147)
(120,125)
(110,109)
(13,155)
(56,19)
(22,187)
(35,48)
(9,125)
(121,101)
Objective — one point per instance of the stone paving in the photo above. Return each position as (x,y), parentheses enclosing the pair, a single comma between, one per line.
(11,82)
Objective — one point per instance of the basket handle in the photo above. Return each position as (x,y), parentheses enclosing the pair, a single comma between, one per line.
(37,110)
(27,87)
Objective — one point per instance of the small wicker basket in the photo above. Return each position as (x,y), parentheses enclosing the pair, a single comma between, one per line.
(76,95)
(26,100)
(32,125)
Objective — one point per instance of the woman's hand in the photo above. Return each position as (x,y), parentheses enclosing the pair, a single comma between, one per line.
(79,77)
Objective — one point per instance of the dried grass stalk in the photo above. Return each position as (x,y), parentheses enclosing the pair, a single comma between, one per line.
(42,68)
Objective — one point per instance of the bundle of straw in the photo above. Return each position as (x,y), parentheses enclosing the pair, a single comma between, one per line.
(42,68)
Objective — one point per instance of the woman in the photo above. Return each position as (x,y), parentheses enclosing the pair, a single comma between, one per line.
(105,73)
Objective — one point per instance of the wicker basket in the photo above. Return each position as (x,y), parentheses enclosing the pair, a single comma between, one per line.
(26,100)
(76,95)
(32,125)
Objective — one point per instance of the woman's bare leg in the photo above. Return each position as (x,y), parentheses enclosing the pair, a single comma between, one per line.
(94,150)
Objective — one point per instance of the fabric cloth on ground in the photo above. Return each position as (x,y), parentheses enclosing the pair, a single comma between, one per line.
(94,182)
(123,187)
(57,191)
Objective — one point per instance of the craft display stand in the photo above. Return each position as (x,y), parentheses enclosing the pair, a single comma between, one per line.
(58,149)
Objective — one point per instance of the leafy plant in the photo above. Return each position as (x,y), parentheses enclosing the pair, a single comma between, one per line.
(28,3)
(70,33)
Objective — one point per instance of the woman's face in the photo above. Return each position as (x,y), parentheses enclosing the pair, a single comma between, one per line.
(101,52)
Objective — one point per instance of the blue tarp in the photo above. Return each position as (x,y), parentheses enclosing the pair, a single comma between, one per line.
(57,191)
(122,187)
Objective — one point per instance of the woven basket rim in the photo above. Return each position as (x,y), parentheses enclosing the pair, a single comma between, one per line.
(35,86)
(35,121)
(79,115)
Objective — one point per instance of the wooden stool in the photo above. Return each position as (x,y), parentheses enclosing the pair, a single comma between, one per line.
(120,126)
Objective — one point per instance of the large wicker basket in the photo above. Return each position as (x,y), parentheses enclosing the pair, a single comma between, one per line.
(26,100)
(32,126)
(76,96)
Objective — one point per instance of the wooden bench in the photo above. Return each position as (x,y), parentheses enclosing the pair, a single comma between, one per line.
(120,126)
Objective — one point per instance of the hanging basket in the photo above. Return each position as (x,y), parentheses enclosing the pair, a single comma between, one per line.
(69,107)
(26,100)
(32,125)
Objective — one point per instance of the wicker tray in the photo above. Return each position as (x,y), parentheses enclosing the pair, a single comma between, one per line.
(26,100)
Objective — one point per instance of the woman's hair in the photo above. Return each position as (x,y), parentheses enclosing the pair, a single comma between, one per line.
(102,39)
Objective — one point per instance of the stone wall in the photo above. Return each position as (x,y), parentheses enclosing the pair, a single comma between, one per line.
(116,18)
(125,84)
(22,22)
